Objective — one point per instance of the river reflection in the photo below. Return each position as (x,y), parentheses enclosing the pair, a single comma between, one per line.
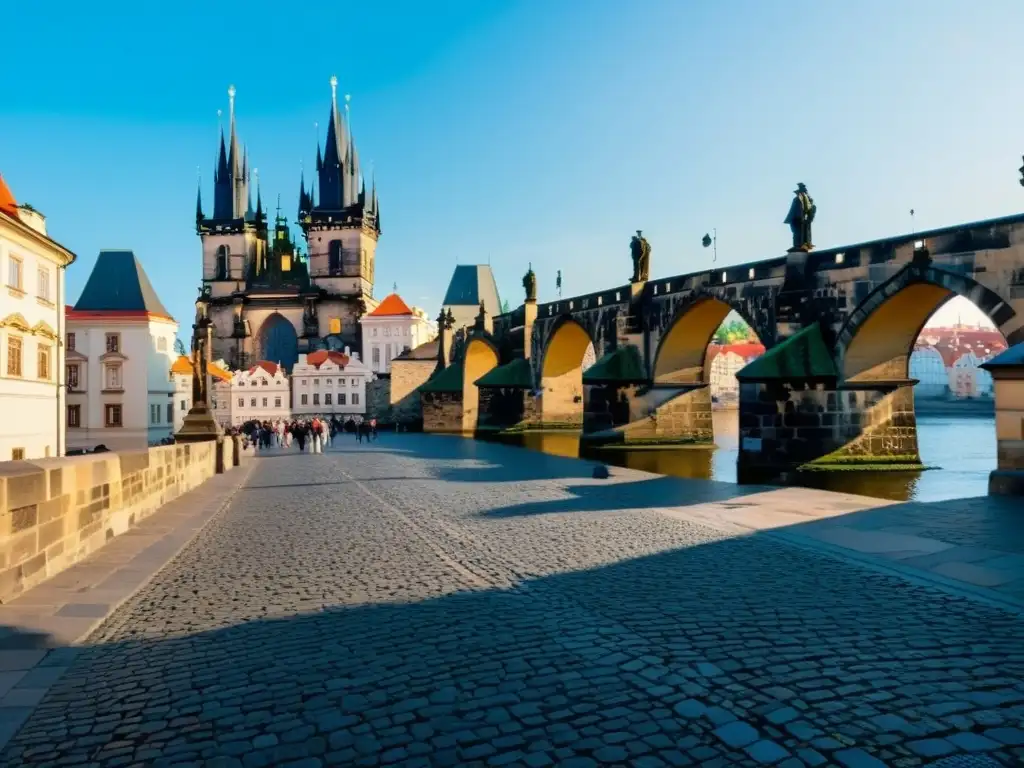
(963,448)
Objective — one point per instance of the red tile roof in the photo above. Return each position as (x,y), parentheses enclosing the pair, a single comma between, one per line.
(316,359)
(7,202)
(392,305)
(266,365)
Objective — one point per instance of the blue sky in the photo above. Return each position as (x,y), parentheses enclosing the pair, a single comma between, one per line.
(542,131)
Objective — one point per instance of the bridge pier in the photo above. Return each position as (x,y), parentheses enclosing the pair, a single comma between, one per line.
(789,428)
(796,416)
(651,415)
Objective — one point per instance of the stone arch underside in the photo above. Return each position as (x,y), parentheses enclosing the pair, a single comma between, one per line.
(277,342)
(480,357)
(878,339)
(561,379)
(682,351)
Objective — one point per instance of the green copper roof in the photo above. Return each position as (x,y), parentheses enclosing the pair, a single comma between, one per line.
(118,283)
(804,355)
(515,375)
(448,380)
(623,366)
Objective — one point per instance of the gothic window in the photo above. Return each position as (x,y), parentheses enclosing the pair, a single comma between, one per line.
(222,263)
(334,257)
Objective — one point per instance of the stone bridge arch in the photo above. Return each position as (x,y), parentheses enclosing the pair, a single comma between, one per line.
(480,356)
(682,348)
(878,337)
(561,371)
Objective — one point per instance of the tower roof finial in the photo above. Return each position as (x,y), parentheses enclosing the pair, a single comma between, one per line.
(334,89)
(231,100)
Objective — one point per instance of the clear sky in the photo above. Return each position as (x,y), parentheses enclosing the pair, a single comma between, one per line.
(542,131)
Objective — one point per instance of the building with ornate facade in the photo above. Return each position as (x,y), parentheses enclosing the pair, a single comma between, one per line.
(945,362)
(31,328)
(329,384)
(261,392)
(120,347)
(271,300)
(391,329)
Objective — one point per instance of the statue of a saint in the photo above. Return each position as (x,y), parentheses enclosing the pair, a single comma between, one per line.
(530,284)
(800,216)
(201,348)
(640,250)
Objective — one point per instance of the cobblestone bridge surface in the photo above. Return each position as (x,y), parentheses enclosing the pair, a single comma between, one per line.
(433,601)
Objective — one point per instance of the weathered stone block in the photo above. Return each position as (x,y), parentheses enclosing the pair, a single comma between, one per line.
(77,503)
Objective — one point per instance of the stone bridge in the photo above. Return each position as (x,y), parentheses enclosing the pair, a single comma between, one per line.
(833,388)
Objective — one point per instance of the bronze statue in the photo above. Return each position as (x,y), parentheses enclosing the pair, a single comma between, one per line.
(800,216)
(530,284)
(640,250)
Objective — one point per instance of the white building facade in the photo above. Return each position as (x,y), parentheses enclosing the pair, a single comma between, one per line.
(392,328)
(120,347)
(259,393)
(329,384)
(31,326)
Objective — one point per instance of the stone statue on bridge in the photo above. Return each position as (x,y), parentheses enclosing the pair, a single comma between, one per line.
(201,348)
(640,250)
(530,284)
(800,216)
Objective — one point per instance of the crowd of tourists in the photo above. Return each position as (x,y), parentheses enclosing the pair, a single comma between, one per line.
(312,435)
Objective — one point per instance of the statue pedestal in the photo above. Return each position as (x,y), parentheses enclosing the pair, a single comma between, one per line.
(199,426)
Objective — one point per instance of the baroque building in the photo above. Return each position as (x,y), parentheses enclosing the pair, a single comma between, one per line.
(270,300)
(31,327)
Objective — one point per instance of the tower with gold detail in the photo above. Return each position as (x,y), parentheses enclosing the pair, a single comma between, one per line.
(271,301)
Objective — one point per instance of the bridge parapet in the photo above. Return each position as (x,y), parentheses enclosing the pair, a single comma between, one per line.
(54,512)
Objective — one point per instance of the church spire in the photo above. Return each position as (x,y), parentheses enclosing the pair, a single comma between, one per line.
(332,166)
(231,194)
(199,202)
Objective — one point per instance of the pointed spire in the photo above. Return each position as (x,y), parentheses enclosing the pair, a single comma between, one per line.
(199,201)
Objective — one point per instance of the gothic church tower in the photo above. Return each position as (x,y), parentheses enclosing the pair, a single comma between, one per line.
(234,237)
(342,226)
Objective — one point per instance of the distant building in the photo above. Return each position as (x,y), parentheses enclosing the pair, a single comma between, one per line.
(470,285)
(120,346)
(329,383)
(261,392)
(391,329)
(945,362)
(271,301)
(181,375)
(31,328)
(724,361)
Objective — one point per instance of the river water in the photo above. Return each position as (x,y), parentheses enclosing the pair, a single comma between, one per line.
(960,449)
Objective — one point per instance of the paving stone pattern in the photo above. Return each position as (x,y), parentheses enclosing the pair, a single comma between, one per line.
(430,601)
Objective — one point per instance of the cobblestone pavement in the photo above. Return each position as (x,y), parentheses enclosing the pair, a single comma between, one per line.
(434,601)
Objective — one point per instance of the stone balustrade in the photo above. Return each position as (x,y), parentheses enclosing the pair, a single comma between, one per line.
(55,512)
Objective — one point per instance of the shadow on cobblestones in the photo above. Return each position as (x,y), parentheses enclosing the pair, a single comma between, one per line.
(435,622)
(735,651)
(652,492)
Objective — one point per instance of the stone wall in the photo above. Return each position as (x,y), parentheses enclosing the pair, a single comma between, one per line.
(54,512)
(783,429)
(442,412)
(685,418)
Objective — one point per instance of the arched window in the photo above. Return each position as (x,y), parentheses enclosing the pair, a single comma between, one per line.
(222,263)
(334,257)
